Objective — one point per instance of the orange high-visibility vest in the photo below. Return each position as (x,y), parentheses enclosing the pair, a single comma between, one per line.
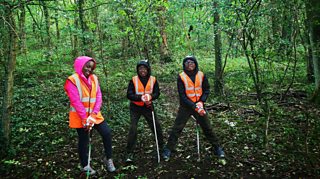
(193,90)
(88,99)
(141,90)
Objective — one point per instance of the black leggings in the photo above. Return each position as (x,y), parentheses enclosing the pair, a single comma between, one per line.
(135,113)
(83,141)
(183,116)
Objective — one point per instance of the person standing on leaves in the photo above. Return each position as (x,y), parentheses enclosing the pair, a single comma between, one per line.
(193,88)
(85,97)
(142,90)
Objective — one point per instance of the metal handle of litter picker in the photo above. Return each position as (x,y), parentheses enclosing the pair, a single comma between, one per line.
(155,133)
(198,140)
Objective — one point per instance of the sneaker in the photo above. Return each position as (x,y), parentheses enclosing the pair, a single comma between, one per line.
(129,158)
(88,168)
(110,165)
(166,154)
(219,152)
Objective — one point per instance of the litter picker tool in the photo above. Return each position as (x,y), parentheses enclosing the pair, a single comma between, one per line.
(155,134)
(90,136)
(89,154)
(198,140)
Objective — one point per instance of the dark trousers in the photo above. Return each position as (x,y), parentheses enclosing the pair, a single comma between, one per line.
(183,116)
(135,114)
(83,141)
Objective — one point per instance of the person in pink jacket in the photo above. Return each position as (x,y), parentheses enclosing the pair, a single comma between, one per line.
(85,97)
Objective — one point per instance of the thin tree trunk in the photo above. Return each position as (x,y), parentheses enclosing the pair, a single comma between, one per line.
(275,19)
(247,42)
(164,49)
(35,25)
(85,42)
(71,35)
(74,37)
(136,36)
(57,24)
(9,46)
(47,20)
(315,44)
(22,30)
(75,41)
(308,56)
(218,82)
(47,27)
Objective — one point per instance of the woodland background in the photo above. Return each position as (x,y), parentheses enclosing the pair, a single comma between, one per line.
(261,58)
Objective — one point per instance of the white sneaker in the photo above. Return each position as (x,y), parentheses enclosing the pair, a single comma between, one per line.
(91,171)
(110,165)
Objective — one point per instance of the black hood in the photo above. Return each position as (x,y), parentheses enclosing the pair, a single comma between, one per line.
(146,64)
(193,59)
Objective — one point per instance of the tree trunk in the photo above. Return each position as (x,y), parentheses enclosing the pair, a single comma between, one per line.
(22,31)
(137,36)
(47,25)
(85,42)
(275,19)
(308,55)
(315,45)
(218,82)
(35,26)
(9,46)
(248,40)
(164,49)
(72,36)
(57,24)
(75,41)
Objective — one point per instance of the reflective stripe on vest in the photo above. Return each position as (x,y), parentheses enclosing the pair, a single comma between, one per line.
(193,90)
(141,90)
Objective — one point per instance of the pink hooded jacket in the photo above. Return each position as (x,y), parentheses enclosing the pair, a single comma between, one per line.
(72,90)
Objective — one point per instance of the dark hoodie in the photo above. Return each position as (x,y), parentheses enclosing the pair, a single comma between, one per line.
(184,100)
(131,92)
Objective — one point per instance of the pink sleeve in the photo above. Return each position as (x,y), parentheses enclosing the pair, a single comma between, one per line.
(74,97)
(98,104)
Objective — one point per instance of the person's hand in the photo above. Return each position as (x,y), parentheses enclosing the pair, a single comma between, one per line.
(199,104)
(202,112)
(90,121)
(146,97)
(199,108)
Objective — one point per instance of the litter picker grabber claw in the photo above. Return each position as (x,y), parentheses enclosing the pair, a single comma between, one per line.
(155,134)
(198,140)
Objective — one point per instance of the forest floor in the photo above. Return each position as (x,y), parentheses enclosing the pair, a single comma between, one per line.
(44,147)
(245,158)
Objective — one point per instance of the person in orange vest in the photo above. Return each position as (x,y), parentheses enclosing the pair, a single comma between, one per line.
(142,90)
(85,96)
(193,89)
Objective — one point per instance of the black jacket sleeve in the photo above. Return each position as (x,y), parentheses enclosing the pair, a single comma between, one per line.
(131,93)
(205,89)
(183,96)
(156,91)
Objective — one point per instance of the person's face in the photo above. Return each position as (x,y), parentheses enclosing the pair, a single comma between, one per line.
(143,71)
(189,65)
(88,68)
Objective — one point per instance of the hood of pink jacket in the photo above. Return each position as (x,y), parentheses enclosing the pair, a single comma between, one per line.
(79,62)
